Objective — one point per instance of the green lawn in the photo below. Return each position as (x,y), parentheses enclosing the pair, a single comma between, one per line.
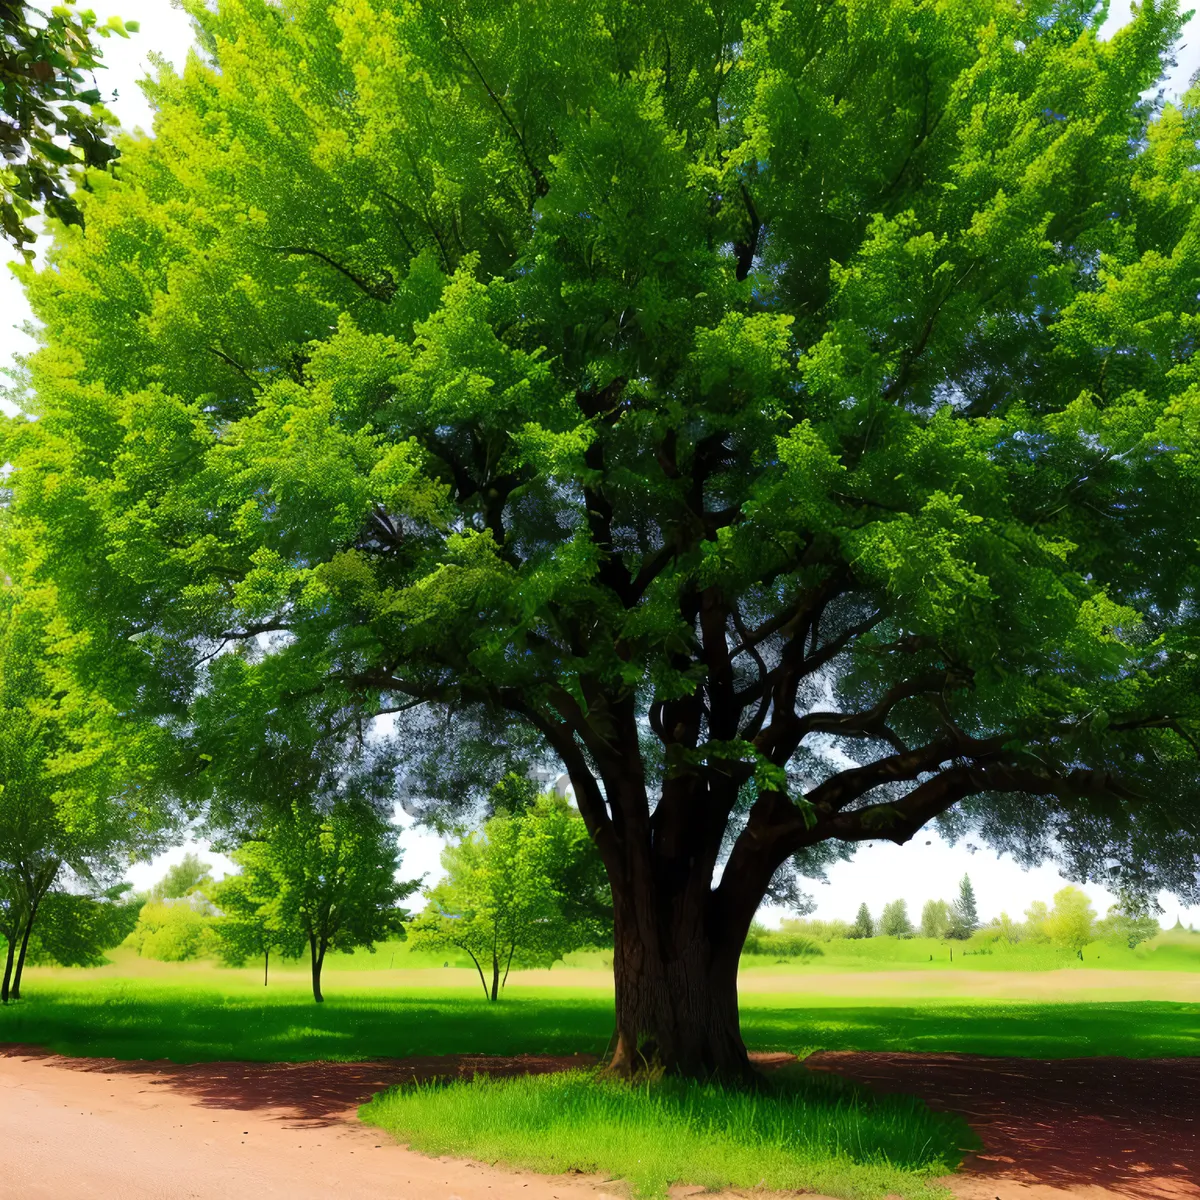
(212,1016)
(800,1132)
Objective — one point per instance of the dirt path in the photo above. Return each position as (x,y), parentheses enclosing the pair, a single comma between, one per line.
(97,1129)
(1089,1127)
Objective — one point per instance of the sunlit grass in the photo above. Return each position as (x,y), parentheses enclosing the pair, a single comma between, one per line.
(213,1017)
(800,1132)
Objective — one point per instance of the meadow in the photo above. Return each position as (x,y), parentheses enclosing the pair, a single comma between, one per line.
(880,994)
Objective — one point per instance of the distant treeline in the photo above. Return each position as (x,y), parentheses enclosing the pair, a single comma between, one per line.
(1069,922)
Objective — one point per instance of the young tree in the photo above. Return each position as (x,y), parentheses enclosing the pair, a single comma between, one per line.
(529,888)
(321,880)
(964,915)
(864,924)
(668,416)
(46,100)
(1034,929)
(935,919)
(246,927)
(894,922)
(1072,921)
(1006,928)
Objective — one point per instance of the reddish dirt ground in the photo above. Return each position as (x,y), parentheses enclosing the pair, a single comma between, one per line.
(1131,1126)
(1083,1129)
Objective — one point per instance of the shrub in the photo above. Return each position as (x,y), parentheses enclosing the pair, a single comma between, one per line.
(172,933)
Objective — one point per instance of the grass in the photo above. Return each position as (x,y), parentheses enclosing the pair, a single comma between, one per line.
(219,1015)
(801,1132)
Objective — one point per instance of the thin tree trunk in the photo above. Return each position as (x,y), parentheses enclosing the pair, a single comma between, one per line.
(508,965)
(8,965)
(16,983)
(482,980)
(495,977)
(266,964)
(317,963)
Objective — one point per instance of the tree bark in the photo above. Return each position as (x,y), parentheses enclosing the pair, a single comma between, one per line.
(318,961)
(266,965)
(676,994)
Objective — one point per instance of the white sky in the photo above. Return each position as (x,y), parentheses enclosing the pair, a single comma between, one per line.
(880,872)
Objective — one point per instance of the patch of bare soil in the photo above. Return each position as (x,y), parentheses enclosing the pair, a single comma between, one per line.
(1087,1127)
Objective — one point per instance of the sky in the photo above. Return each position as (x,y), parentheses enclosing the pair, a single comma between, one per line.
(927,868)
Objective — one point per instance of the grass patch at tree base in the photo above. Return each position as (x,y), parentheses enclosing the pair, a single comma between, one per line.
(798,1132)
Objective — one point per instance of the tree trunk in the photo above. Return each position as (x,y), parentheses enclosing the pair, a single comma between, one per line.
(495,976)
(318,961)
(676,994)
(16,982)
(266,964)
(8,966)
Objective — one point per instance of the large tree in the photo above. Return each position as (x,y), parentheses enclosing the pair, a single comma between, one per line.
(784,410)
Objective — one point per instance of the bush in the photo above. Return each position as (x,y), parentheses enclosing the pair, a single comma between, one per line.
(818,931)
(780,943)
(172,933)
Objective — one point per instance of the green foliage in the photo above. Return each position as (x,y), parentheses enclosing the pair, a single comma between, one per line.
(317,881)
(78,798)
(781,943)
(1072,921)
(184,877)
(173,932)
(74,930)
(800,1132)
(864,924)
(935,919)
(527,889)
(46,100)
(1128,923)
(820,931)
(1034,929)
(894,922)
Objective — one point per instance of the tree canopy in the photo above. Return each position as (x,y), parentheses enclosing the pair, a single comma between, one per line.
(782,413)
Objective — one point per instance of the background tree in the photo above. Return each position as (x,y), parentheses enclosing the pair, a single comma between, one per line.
(190,874)
(1034,929)
(322,880)
(894,922)
(864,924)
(964,915)
(670,415)
(75,795)
(173,931)
(528,888)
(1072,921)
(48,96)
(247,925)
(1129,922)
(935,919)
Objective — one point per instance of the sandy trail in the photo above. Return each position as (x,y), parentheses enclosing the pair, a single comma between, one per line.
(87,1129)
